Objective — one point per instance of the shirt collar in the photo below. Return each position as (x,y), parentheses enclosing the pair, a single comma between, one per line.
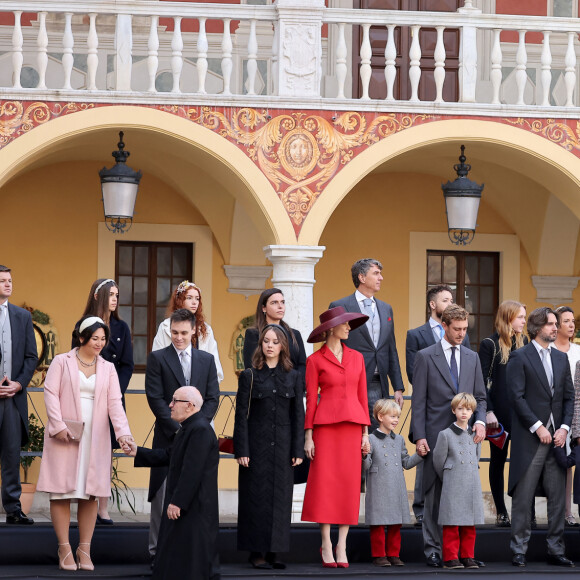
(360,297)
(445,344)
(187,349)
(539,347)
(434,323)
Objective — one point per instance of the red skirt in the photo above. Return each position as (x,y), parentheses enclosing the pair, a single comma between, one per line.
(333,488)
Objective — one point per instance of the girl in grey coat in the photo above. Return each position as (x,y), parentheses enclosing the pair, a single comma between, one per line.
(456,462)
(386,497)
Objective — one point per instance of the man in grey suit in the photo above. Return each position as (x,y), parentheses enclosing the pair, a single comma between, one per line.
(542,397)
(375,340)
(440,372)
(18,360)
(438,299)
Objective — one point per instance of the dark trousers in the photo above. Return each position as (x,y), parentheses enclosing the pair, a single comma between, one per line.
(431,528)
(418,495)
(374,393)
(497,460)
(10,431)
(458,542)
(392,544)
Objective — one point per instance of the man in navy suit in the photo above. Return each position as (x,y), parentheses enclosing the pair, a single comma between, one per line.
(438,299)
(542,396)
(375,339)
(18,360)
(168,369)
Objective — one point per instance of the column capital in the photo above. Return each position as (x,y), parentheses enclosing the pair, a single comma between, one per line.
(555,289)
(297,253)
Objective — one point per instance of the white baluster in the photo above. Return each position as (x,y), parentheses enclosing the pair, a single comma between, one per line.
(275,57)
(341,53)
(521,60)
(152,53)
(252,55)
(546,60)
(42,44)
(202,47)
(468,4)
(570,76)
(92,57)
(176,55)
(68,43)
(227,48)
(390,60)
(496,58)
(415,63)
(439,72)
(365,62)
(17,58)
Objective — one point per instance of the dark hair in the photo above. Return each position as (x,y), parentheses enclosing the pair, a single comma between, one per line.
(5,269)
(260,318)
(177,301)
(99,305)
(433,292)
(537,319)
(259,359)
(182,315)
(454,312)
(81,338)
(362,267)
(561,310)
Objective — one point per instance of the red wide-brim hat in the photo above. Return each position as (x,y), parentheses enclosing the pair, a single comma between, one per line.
(333,317)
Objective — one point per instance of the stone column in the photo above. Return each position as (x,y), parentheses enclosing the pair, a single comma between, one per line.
(294,275)
(468,56)
(299,70)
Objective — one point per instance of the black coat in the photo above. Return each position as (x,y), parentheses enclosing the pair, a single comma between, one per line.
(271,436)
(163,377)
(188,546)
(297,352)
(572,460)
(532,401)
(497,396)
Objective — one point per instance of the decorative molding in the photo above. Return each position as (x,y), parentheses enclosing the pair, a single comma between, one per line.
(247,280)
(555,290)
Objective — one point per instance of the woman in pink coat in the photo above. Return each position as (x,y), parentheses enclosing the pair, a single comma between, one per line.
(81,393)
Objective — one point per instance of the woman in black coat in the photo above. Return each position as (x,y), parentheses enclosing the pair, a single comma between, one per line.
(494,353)
(268,444)
(103,302)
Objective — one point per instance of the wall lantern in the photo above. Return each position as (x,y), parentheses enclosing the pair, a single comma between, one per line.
(462,197)
(119,186)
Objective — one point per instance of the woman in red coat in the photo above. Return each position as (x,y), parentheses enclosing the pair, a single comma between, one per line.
(336,430)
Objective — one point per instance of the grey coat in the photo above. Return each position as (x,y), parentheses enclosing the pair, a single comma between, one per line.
(386,498)
(456,462)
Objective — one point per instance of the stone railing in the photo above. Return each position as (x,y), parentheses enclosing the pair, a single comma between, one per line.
(291,53)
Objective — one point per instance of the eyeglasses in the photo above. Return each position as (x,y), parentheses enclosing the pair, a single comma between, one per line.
(174,400)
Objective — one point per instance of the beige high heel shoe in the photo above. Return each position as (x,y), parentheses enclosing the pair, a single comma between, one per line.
(81,565)
(61,560)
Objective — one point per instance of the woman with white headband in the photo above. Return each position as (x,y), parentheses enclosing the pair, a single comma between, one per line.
(188,295)
(103,301)
(81,394)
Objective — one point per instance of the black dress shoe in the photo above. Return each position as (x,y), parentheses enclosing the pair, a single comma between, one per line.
(19,518)
(519,560)
(480,563)
(559,560)
(502,521)
(434,560)
(272,559)
(418,521)
(104,521)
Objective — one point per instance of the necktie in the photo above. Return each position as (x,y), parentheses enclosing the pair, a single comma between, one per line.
(185,366)
(549,375)
(3,309)
(441,331)
(368,306)
(453,368)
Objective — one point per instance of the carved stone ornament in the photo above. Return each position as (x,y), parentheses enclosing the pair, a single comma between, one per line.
(300,58)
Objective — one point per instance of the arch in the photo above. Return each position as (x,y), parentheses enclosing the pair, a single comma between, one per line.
(222,162)
(556,169)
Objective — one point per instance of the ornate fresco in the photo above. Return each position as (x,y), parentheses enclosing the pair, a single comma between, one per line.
(298,151)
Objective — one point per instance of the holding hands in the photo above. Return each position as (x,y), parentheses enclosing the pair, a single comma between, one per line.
(422,447)
(128,445)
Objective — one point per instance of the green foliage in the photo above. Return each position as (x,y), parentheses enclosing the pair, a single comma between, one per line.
(40,317)
(35,443)
(120,489)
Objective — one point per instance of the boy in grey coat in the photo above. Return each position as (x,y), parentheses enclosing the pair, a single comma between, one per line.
(386,497)
(456,462)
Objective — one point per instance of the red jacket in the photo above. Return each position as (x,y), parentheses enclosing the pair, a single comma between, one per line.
(343,388)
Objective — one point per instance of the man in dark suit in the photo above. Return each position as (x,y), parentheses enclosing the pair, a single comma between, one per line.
(542,396)
(438,299)
(375,340)
(172,367)
(441,371)
(18,360)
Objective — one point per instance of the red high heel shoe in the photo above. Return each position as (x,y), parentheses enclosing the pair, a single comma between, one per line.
(340,564)
(327,564)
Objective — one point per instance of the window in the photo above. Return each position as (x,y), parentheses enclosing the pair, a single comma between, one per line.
(147,273)
(474,279)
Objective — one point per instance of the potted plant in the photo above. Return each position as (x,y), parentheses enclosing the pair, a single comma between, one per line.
(35,444)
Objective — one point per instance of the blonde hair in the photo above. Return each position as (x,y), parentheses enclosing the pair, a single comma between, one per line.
(506,313)
(386,407)
(464,399)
